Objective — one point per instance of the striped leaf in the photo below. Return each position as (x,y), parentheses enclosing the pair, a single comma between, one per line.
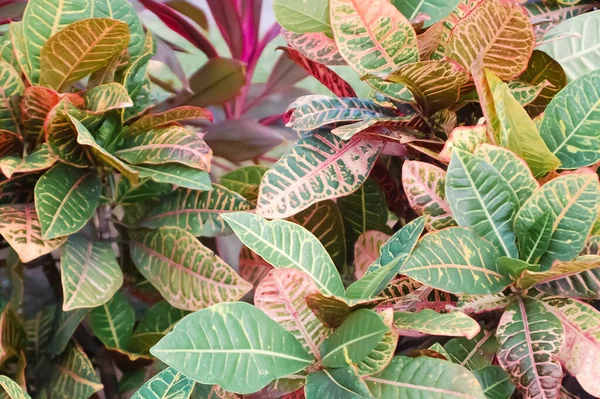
(374,38)
(168,118)
(549,14)
(558,271)
(107,97)
(13,338)
(424,377)
(80,49)
(16,33)
(366,250)
(543,68)
(530,338)
(123,11)
(73,376)
(578,52)
(90,273)
(252,267)
(534,241)
(287,245)
(156,323)
(164,145)
(481,198)
(424,185)
(310,172)
(174,173)
(336,383)
(354,339)
(9,142)
(65,199)
(466,138)
(379,357)
(39,159)
(573,203)
(281,295)
(475,353)
(168,384)
(12,389)
(317,47)
(197,212)
(458,261)
(113,322)
(581,351)
(526,93)
(64,326)
(187,274)
(495,382)
(302,16)
(570,123)
(582,284)
(20,227)
(435,85)
(241,179)
(429,322)
(514,170)
(137,82)
(498,32)
(372,283)
(147,190)
(11,87)
(222,345)
(435,10)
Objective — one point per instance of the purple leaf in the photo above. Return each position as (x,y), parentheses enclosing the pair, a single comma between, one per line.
(227,17)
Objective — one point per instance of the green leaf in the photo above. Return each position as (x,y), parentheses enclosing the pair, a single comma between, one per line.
(12,389)
(174,173)
(65,199)
(429,322)
(310,172)
(370,285)
(435,10)
(157,322)
(573,201)
(366,252)
(399,247)
(514,267)
(302,16)
(11,87)
(219,80)
(164,145)
(379,357)
(354,339)
(187,274)
(534,241)
(424,185)
(564,272)
(90,273)
(169,383)
(475,353)
(13,338)
(113,322)
(579,285)
(424,377)
(241,179)
(281,295)
(495,382)
(107,97)
(543,68)
(39,332)
(341,383)
(234,345)
(136,81)
(197,212)
(146,190)
(39,159)
(80,49)
(73,376)
(168,118)
(530,338)
(286,245)
(526,93)
(569,126)
(579,52)
(481,198)
(334,310)
(458,261)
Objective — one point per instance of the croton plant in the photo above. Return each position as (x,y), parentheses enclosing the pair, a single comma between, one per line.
(439,239)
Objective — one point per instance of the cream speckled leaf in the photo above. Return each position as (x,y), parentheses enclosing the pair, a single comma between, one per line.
(13,338)
(189,275)
(584,284)
(315,46)
(244,178)
(427,321)
(11,87)
(197,212)
(170,117)
(20,227)
(317,167)
(559,271)
(497,31)
(106,97)
(90,273)
(39,159)
(73,376)
(80,49)
(168,384)
(573,202)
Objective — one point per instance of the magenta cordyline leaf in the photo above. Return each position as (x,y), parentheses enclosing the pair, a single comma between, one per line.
(250,10)
(227,17)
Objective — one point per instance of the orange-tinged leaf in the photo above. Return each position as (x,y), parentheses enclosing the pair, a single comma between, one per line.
(253,268)
(465,138)
(366,250)
(11,86)
(170,117)
(106,97)
(315,46)
(9,143)
(40,159)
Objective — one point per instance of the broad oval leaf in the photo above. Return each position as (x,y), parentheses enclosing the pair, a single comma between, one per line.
(281,295)
(39,159)
(573,203)
(156,323)
(73,375)
(80,49)
(427,321)
(317,47)
(499,32)
(481,198)
(318,167)
(244,178)
(113,321)
(569,128)
(336,383)
(458,261)
(187,274)
(168,384)
(107,97)
(216,82)
(287,245)
(167,118)
(530,338)
(90,273)
(11,87)
(302,16)
(65,199)
(259,348)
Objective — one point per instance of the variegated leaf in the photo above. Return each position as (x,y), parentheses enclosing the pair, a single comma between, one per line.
(474,353)
(187,274)
(499,32)
(9,143)
(458,261)
(542,68)
(20,227)
(13,338)
(16,32)
(197,212)
(530,338)
(12,389)
(80,49)
(424,185)
(366,250)
(334,310)
(495,382)
(287,245)
(344,382)
(316,46)
(39,159)
(434,10)
(64,326)
(174,173)
(476,304)
(39,332)
(430,40)
(466,138)
(379,357)
(241,179)
(73,376)
(11,87)
(592,246)
(548,14)
(578,285)
(429,322)
(252,267)
(318,167)
(168,384)
(90,273)
(107,97)
(167,118)
(164,145)
(525,93)
(573,203)
(534,241)
(559,271)
(156,323)
(112,322)
(281,295)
